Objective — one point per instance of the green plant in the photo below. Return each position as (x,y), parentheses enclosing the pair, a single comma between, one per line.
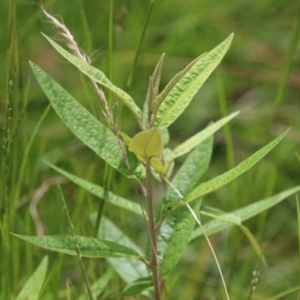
(171,227)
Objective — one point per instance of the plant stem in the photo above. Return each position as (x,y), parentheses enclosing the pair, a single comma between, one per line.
(152,233)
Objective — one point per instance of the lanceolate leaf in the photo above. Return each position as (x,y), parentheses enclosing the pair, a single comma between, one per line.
(86,127)
(175,232)
(98,76)
(192,142)
(162,96)
(89,247)
(221,180)
(33,286)
(244,213)
(157,75)
(98,191)
(186,88)
(128,269)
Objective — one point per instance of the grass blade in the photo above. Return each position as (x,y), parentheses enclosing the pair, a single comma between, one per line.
(33,286)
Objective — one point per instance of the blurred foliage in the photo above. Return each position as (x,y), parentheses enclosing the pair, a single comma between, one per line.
(250,78)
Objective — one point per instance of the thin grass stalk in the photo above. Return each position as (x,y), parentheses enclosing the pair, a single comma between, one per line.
(87,34)
(76,246)
(108,171)
(138,51)
(295,35)
(26,153)
(7,182)
(227,135)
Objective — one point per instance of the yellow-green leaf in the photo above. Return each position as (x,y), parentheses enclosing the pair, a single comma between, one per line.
(147,144)
(127,139)
(157,165)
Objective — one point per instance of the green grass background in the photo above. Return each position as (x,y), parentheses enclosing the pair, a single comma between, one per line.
(260,76)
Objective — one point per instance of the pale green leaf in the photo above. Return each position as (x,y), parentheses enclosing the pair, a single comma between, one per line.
(220,215)
(100,192)
(157,165)
(89,246)
(99,77)
(185,89)
(86,127)
(175,232)
(98,286)
(192,142)
(147,144)
(128,269)
(33,286)
(152,91)
(157,75)
(244,213)
(221,180)
(161,97)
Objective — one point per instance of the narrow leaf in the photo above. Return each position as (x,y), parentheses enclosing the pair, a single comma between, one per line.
(245,213)
(33,286)
(99,77)
(128,269)
(157,75)
(162,96)
(89,247)
(175,232)
(100,192)
(221,180)
(192,142)
(86,127)
(186,88)
(152,92)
